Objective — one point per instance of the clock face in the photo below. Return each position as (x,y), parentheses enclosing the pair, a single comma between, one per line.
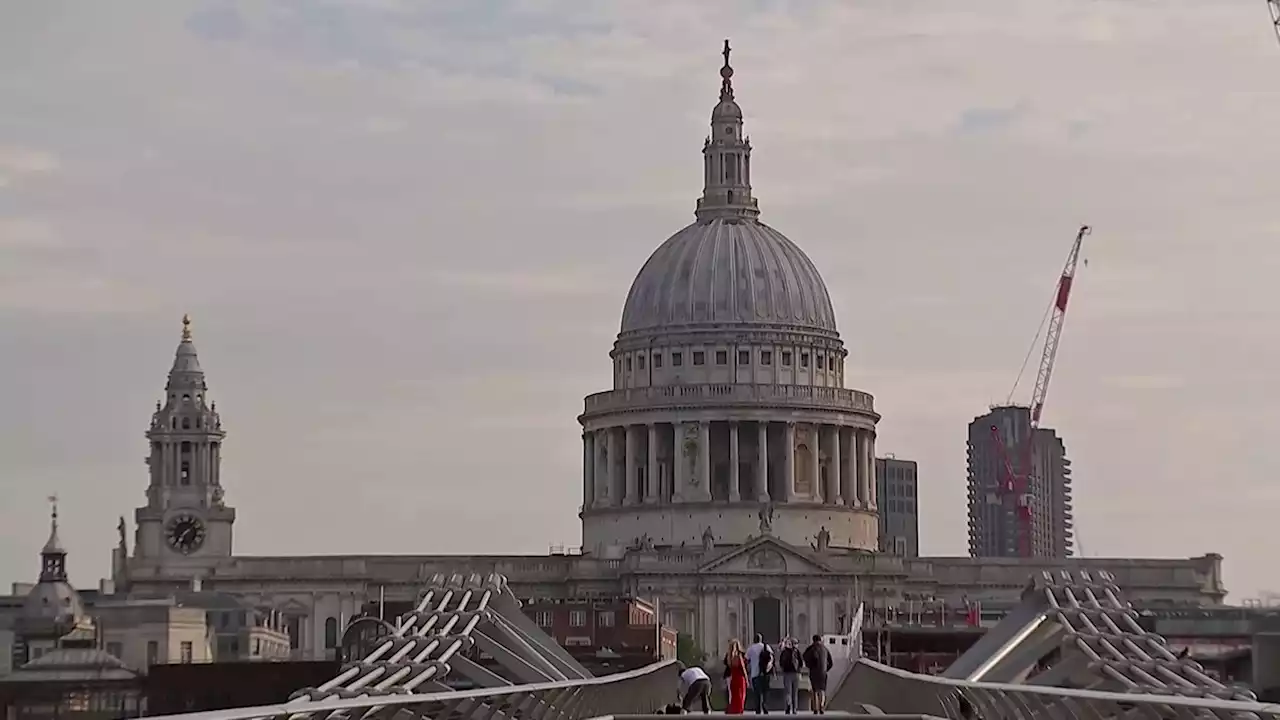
(185,533)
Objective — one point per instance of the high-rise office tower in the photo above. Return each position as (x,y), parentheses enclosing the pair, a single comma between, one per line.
(896,489)
(993,517)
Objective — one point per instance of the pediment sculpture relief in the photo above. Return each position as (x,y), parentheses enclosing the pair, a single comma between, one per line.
(766,559)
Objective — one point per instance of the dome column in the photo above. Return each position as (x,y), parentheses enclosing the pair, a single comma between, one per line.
(815,467)
(613,467)
(652,476)
(631,487)
(588,469)
(789,464)
(704,459)
(680,462)
(762,461)
(735,493)
(864,470)
(850,475)
(872,503)
(837,494)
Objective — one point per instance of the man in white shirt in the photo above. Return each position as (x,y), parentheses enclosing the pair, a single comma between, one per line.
(759,665)
(695,685)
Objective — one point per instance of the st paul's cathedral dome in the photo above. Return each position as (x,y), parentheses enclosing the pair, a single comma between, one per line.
(728,418)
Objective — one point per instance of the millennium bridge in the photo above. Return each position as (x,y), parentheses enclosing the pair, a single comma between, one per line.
(1073,648)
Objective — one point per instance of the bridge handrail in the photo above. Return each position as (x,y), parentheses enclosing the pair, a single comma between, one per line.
(370,702)
(901,691)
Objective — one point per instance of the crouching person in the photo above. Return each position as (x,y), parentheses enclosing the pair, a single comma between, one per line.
(695,686)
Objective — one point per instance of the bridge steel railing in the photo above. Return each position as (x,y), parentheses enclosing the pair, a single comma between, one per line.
(871,686)
(638,692)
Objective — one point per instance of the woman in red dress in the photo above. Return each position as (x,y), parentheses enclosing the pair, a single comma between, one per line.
(735,673)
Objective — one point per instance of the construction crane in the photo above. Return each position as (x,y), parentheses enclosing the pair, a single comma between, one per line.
(1017,482)
(1274,6)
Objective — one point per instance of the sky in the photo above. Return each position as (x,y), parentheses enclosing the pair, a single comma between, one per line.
(405,230)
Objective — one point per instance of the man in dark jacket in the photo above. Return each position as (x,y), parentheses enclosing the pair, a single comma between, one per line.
(817,660)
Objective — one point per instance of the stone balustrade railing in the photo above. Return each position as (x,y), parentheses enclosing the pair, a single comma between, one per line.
(719,394)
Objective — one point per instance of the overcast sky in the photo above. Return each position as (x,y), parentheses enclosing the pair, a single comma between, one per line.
(405,231)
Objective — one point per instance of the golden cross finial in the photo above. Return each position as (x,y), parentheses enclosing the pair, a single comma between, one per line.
(186,328)
(53,507)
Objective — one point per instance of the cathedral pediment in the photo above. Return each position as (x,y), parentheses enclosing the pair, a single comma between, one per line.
(767,556)
(292,606)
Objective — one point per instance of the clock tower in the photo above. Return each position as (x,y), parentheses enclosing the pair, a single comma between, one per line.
(185,526)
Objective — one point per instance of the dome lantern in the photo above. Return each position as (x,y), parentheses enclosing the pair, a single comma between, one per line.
(726,158)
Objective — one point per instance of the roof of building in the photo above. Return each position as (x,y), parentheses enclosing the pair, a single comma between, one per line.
(52,601)
(185,359)
(71,665)
(728,272)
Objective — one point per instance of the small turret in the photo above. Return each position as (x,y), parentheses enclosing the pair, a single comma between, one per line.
(53,557)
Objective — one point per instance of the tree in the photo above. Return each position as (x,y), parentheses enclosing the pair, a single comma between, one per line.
(687,651)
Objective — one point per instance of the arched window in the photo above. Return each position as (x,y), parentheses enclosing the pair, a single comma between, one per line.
(186,423)
(330,633)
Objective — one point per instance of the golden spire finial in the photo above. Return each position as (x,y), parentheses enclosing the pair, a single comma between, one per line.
(53,510)
(186,328)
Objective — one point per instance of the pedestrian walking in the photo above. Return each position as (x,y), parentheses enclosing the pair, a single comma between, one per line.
(736,677)
(760,664)
(817,660)
(790,663)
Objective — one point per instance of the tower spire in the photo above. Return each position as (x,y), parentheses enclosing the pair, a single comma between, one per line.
(53,558)
(186,434)
(726,75)
(726,154)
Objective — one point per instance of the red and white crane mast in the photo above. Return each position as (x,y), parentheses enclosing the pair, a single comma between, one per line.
(1019,484)
(1054,334)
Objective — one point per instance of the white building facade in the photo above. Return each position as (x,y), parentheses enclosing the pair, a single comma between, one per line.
(728,475)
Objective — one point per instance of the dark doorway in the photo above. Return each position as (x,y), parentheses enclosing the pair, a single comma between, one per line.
(766,616)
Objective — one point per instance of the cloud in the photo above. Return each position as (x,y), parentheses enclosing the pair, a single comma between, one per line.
(552,282)
(1145,382)
(17,162)
(17,233)
(979,120)
(218,23)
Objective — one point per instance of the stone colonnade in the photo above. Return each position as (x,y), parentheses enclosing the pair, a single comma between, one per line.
(196,463)
(760,461)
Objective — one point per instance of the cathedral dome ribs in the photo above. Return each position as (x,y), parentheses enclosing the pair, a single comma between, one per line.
(728,392)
